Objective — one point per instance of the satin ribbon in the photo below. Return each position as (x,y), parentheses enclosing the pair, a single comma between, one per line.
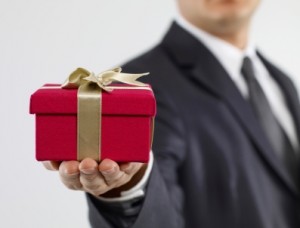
(89,105)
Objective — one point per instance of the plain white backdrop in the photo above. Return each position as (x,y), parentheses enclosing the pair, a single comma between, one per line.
(43,41)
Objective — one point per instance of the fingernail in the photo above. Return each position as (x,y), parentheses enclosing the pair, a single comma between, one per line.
(87,171)
(109,171)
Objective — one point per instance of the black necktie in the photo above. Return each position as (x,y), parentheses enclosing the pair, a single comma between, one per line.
(272,129)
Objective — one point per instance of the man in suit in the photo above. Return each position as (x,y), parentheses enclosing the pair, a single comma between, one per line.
(226,142)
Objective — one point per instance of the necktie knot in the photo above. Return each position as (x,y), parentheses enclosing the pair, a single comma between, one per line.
(248,69)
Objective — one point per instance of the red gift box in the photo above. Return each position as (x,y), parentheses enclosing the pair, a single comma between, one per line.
(126,123)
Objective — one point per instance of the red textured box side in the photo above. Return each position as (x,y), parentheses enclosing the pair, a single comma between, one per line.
(123,139)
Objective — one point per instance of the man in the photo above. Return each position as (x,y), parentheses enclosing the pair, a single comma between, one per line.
(227,134)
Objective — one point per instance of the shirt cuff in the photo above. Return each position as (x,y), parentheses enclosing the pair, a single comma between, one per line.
(136,191)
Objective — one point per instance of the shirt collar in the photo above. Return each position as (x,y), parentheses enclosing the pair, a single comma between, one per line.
(228,55)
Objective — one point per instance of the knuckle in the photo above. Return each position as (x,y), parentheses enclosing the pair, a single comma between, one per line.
(89,178)
(69,176)
(70,186)
(68,180)
(114,178)
(77,187)
(123,181)
(132,168)
(96,184)
(91,187)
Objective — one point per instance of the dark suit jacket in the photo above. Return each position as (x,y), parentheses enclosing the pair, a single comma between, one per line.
(213,165)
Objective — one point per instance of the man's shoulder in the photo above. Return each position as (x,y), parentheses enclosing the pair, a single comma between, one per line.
(155,61)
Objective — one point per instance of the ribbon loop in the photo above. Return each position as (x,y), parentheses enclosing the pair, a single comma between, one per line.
(81,76)
(75,79)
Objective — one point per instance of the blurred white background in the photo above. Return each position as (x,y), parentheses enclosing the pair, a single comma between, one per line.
(43,41)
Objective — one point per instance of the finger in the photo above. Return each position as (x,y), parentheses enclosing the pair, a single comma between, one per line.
(69,173)
(131,168)
(111,172)
(51,165)
(90,177)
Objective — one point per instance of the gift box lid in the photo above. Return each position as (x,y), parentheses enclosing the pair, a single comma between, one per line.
(51,99)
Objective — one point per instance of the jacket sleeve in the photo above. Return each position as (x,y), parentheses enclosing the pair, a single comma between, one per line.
(162,205)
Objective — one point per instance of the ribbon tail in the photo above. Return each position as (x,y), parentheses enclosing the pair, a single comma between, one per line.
(130,79)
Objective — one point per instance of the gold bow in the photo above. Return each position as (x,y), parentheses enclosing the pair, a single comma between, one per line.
(89,105)
(81,76)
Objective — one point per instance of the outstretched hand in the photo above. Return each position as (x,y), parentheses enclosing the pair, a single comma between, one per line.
(106,178)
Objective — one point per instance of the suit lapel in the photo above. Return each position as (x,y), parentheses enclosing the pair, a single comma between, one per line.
(289,91)
(206,70)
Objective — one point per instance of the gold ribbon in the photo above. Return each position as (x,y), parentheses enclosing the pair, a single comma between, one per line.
(89,105)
